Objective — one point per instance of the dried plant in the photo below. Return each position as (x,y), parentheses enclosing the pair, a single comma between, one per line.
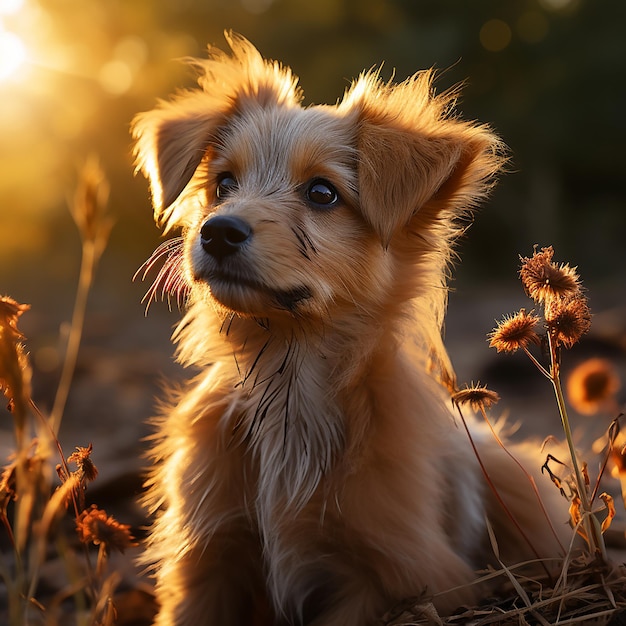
(557,290)
(479,398)
(590,589)
(89,210)
(30,506)
(592,389)
(15,373)
(95,526)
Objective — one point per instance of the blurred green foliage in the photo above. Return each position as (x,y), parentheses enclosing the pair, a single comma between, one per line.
(548,75)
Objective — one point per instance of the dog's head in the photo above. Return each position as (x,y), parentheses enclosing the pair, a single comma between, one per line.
(317,212)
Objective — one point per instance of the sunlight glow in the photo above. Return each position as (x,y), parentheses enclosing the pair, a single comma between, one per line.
(12,54)
(10,7)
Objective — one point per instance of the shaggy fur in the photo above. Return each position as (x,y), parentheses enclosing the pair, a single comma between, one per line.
(312,472)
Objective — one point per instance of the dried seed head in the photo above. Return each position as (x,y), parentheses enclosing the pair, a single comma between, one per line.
(592,385)
(91,197)
(479,398)
(568,319)
(14,368)
(82,458)
(543,279)
(514,332)
(7,487)
(96,527)
(10,312)
(90,206)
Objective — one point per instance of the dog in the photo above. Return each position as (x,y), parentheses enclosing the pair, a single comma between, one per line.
(313,471)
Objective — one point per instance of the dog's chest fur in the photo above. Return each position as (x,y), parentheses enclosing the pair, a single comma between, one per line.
(288,419)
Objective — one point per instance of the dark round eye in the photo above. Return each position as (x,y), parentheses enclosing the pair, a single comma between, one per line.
(322,193)
(226,184)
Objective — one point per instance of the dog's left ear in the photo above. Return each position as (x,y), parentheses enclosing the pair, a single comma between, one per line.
(413,154)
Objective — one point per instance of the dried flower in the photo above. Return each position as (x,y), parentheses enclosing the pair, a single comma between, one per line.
(82,458)
(95,526)
(14,367)
(568,319)
(543,279)
(514,332)
(14,371)
(10,312)
(592,385)
(479,398)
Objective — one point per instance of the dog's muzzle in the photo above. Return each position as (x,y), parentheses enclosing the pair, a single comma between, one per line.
(221,238)
(223,235)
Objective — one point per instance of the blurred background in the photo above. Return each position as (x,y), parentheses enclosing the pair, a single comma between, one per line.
(548,75)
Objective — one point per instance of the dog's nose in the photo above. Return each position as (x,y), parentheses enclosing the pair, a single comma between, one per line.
(223,235)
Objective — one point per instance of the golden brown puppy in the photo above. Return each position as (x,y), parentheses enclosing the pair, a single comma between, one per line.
(312,472)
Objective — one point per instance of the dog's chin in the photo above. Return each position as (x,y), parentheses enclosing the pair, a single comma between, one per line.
(249,297)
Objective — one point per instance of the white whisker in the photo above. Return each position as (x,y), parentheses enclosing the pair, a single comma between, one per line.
(170,279)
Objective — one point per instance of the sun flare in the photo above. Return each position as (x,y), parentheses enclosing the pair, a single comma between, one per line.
(12,54)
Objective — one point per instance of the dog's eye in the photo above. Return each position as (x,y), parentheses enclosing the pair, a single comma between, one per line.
(320,192)
(226,184)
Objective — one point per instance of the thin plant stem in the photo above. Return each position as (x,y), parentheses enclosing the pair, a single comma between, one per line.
(87,269)
(538,365)
(66,471)
(613,431)
(590,522)
(497,495)
(530,479)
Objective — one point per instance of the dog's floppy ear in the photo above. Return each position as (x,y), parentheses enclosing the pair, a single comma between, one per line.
(172,139)
(170,142)
(412,151)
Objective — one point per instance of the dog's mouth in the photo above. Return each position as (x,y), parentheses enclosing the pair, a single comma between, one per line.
(238,292)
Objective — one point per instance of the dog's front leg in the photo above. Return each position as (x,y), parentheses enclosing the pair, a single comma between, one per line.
(214,585)
(357,604)
(205,546)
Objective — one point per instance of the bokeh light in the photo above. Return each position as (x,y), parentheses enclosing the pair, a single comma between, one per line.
(495,35)
(532,27)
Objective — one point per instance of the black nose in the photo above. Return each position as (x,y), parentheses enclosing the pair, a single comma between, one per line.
(223,235)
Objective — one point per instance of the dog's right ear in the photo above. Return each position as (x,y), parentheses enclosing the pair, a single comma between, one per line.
(170,142)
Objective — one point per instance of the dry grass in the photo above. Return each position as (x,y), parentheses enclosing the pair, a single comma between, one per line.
(587,592)
(34,498)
